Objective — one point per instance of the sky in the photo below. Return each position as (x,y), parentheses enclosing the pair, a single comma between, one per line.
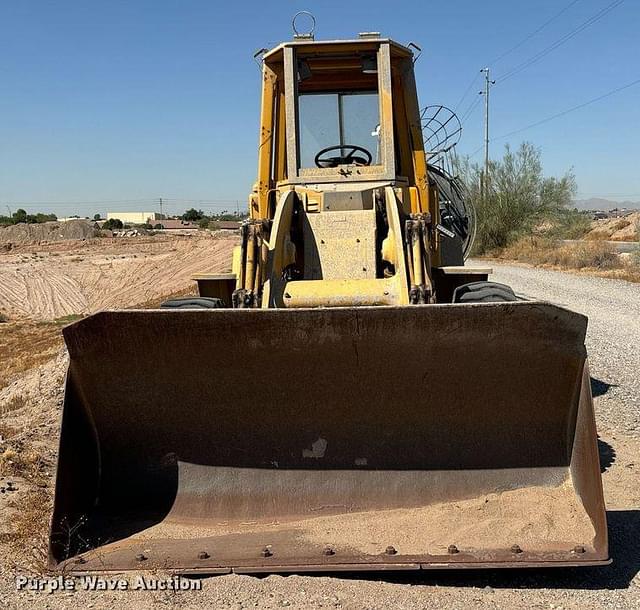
(111,105)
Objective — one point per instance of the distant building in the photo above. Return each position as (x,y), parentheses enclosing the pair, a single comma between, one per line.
(173,224)
(136,218)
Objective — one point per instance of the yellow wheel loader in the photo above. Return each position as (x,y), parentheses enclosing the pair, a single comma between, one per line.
(351,397)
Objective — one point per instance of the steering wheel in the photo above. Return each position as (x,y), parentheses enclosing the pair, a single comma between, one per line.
(343,159)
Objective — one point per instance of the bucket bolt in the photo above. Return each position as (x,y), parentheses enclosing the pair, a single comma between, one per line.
(328,551)
(452,549)
(390,550)
(203,555)
(266,552)
(516,549)
(141,557)
(579,549)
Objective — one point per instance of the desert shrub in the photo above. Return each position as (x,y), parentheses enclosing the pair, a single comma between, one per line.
(518,197)
(6,431)
(544,251)
(568,224)
(595,255)
(12,404)
(14,462)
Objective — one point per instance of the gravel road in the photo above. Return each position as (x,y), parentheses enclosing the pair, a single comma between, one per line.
(613,335)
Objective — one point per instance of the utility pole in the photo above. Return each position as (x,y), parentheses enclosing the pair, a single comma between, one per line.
(161,216)
(487,86)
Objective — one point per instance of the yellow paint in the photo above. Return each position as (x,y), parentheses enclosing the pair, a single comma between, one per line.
(259,266)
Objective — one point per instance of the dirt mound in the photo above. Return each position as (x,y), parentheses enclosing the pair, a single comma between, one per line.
(62,280)
(616,229)
(48,231)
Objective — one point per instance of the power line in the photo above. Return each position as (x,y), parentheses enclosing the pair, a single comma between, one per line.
(470,110)
(538,56)
(578,107)
(517,46)
(530,36)
(82,202)
(476,151)
(129,202)
(475,78)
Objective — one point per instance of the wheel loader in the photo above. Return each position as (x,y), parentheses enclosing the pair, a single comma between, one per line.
(350,397)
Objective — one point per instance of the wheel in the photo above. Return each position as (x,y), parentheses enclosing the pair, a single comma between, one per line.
(483,292)
(193,303)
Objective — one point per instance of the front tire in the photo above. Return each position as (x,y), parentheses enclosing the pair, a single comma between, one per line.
(193,303)
(484,292)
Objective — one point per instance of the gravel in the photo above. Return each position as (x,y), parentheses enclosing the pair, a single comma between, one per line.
(613,335)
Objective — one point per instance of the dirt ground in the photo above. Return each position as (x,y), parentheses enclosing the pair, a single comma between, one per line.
(32,368)
(58,279)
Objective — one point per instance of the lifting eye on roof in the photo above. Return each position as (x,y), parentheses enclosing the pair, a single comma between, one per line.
(311,21)
(369,65)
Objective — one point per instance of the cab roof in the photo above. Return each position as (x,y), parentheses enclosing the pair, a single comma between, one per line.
(356,45)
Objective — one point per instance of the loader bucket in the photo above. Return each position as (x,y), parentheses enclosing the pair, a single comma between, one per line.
(373,438)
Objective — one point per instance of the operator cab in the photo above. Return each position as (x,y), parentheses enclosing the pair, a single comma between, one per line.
(331,110)
(338,110)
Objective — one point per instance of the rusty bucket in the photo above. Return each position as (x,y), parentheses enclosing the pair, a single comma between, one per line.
(371,438)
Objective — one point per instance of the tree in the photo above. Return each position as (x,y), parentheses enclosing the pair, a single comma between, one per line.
(39,217)
(226,215)
(112,223)
(519,197)
(96,217)
(20,216)
(193,215)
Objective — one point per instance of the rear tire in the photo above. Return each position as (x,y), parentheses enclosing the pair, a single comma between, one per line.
(484,292)
(193,303)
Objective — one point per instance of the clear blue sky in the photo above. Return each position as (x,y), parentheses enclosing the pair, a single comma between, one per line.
(137,99)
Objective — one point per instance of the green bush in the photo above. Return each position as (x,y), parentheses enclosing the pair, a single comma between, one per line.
(518,197)
(568,224)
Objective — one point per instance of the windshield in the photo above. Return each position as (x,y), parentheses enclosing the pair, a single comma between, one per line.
(339,119)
